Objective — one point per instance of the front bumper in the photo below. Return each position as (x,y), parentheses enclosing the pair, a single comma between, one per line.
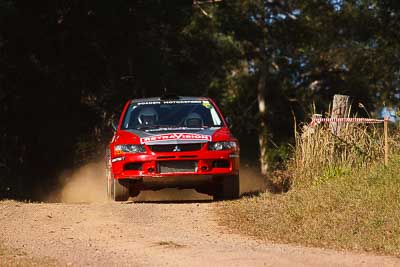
(147,166)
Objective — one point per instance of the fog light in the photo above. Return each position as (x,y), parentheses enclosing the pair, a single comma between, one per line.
(151,169)
(203,168)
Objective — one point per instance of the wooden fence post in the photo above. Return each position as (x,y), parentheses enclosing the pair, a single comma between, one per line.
(340,109)
(386,130)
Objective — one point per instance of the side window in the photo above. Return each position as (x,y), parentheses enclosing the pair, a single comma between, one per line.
(133,118)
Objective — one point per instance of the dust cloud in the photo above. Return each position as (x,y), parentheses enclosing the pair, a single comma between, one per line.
(251,180)
(86,184)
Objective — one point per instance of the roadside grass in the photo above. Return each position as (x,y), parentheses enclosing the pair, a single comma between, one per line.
(358,211)
(16,258)
(341,197)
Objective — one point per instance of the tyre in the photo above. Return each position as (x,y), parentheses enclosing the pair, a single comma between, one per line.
(109,176)
(109,184)
(227,188)
(120,189)
(117,190)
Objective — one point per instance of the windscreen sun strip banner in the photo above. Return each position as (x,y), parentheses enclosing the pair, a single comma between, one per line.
(175,136)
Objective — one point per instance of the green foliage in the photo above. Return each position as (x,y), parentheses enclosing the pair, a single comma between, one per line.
(332,172)
(278,156)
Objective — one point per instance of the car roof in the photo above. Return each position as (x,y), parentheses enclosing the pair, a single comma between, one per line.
(166,98)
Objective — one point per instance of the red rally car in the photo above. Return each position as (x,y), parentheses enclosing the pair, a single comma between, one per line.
(171,141)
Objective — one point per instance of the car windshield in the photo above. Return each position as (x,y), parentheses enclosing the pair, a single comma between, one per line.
(155,115)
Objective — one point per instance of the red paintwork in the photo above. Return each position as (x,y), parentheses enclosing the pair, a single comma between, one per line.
(149,159)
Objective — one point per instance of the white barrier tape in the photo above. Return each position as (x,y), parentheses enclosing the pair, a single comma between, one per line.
(351,120)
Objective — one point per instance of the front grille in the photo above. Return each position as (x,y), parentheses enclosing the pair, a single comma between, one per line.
(176,148)
(177,166)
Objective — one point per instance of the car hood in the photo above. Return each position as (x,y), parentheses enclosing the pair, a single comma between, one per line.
(173,136)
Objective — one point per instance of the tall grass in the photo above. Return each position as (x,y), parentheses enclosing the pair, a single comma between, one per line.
(357,211)
(319,153)
(342,195)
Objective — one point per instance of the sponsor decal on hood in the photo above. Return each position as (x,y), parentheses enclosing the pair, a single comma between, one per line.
(175,137)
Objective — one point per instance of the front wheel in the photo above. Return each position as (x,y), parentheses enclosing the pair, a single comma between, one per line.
(117,190)
(120,190)
(227,188)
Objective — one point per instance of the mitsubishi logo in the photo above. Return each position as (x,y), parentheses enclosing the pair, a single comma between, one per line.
(176,149)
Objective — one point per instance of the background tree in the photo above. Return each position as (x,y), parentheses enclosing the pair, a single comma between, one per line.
(300,52)
(67,67)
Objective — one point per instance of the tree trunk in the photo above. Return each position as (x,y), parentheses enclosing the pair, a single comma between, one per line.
(340,109)
(262,109)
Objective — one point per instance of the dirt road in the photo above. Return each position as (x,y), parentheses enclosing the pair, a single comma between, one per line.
(150,234)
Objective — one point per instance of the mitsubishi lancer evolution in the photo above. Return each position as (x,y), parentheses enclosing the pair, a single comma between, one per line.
(172,142)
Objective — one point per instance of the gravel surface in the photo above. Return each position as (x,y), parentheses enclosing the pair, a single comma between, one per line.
(150,234)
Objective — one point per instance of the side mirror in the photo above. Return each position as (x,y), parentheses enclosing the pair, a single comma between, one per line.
(228,121)
(114,125)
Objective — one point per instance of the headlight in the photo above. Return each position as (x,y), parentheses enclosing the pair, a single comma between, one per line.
(120,149)
(222,146)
